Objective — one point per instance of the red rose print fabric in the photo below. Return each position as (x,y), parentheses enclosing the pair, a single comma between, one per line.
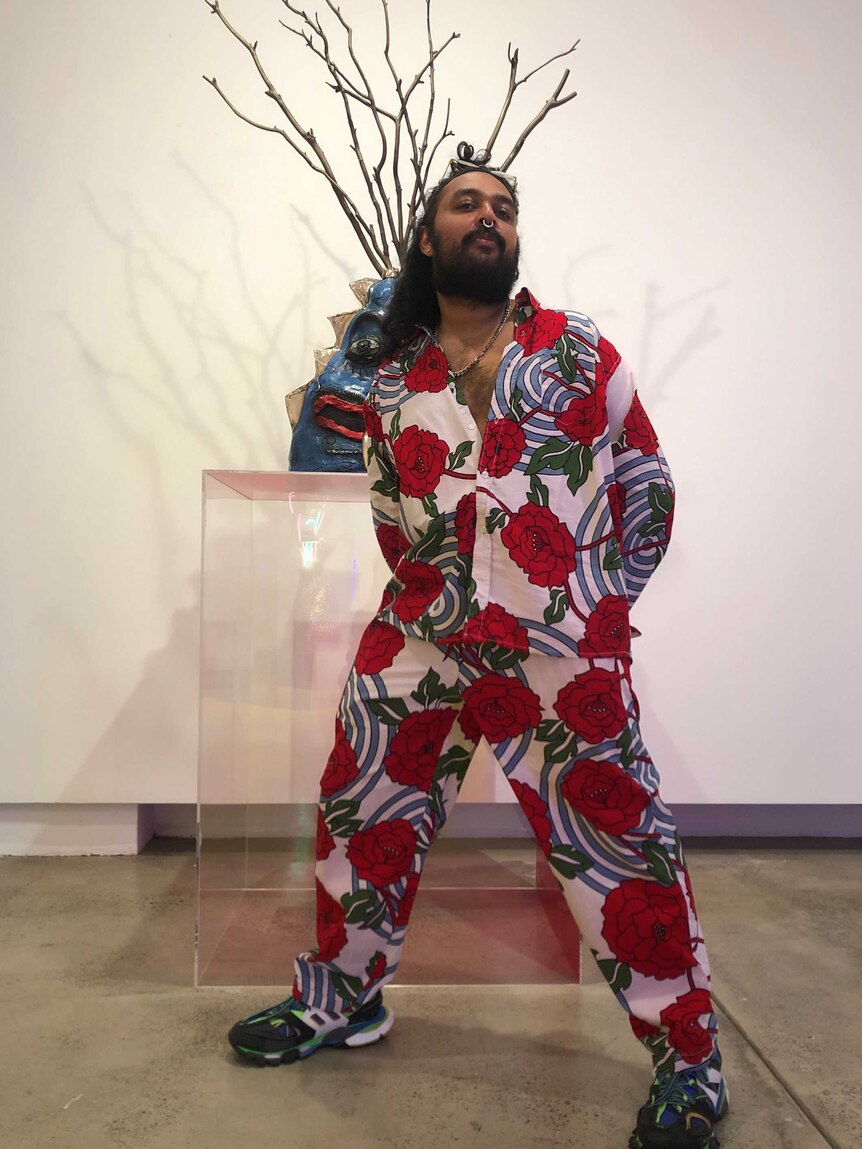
(402,915)
(341,766)
(405,734)
(686,1031)
(331,934)
(608,630)
(494,624)
(592,705)
(540,330)
(465,523)
(558,508)
(540,544)
(646,926)
(376,968)
(383,853)
(502,446)
(392,543)
(617,501)
(517,549)
(378,647)
(429,371)
(584,419)
(386,600)
(639,430)
(325,842)
(415,750)
(423,583)
(499,708)
(537,813)
(608,361)
(372,421)
(642,1029)
(420,457)
(603,792)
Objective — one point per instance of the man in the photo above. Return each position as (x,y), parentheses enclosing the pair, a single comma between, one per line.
(522,500)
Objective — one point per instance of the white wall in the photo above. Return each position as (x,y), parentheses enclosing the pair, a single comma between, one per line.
(168,271)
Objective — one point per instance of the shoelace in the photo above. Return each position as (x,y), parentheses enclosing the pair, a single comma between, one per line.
(279,1010)
(678,1089)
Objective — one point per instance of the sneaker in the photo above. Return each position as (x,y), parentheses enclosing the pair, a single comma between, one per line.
(292,1029)
(683,1108)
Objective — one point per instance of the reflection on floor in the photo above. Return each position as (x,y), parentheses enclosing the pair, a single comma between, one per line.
(106,1044)
(488,913)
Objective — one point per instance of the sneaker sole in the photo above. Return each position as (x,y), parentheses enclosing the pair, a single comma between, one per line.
(367,1035)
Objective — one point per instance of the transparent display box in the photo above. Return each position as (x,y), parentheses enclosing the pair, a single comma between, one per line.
(291,575)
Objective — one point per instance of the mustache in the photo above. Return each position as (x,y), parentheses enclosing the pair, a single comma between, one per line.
(484,233)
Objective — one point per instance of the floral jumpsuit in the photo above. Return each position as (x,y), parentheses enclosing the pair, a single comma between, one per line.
(516,557)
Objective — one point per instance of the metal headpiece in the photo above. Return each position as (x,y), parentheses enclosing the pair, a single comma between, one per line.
(470,159)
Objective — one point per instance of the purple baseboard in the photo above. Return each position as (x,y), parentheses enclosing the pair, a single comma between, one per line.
(702,823)
(734,821)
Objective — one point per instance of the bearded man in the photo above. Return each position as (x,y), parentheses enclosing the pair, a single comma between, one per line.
(521,500)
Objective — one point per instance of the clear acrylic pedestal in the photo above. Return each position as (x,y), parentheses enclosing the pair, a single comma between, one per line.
(291,575)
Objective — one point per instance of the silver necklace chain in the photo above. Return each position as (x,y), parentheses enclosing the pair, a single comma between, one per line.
(487,347)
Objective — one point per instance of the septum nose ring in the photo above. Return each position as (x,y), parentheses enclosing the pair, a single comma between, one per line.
(489,223)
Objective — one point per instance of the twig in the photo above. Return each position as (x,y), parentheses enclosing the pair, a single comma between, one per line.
(340,79)
(425,175)
(396,146)
(515,83)
(550,60)
(373,106)
(431,100)
(507,99)
(552,102)
(394,223)
(433,55)
(364,232)
(343,198)
(403,113)
(417,79)
(403,120)
(309,43)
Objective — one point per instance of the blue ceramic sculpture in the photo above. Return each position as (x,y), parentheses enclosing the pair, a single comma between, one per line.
(326,414)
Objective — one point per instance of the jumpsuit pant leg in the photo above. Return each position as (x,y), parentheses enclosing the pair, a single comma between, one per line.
(566,734)
(394,773)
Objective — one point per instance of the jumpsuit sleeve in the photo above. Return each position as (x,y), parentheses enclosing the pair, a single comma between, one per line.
(643,500)
(384,493)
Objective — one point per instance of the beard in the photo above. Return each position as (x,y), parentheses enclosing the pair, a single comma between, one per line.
(464,274)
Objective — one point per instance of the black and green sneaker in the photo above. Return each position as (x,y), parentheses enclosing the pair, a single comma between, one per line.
(292,1029)
(683,1108)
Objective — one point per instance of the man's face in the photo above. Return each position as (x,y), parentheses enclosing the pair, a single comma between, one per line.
(470,260)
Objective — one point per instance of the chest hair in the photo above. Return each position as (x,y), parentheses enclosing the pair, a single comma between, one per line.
(477,387)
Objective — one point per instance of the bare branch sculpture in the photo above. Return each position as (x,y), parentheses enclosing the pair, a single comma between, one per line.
(394,182)
(553,101)
(514,84)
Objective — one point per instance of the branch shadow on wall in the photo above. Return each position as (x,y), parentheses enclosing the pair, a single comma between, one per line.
(240,363)
(155,717)
(675,329)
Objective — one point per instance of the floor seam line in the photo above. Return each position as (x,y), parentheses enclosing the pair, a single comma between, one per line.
(779,1077)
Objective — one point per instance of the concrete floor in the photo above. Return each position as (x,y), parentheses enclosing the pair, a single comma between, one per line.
(106,1044)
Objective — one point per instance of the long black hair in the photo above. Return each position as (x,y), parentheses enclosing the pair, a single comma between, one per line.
(414,300)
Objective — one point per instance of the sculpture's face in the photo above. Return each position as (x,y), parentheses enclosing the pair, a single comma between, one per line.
(328,433)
